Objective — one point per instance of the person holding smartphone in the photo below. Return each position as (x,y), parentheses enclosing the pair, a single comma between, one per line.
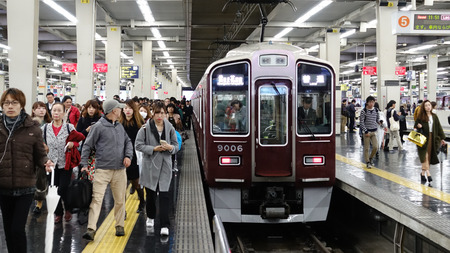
(158,142)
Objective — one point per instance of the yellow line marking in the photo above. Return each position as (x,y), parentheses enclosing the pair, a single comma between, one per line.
(105,239)
(432,192)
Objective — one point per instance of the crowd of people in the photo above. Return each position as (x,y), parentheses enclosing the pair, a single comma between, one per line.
(114,141)
(375,124)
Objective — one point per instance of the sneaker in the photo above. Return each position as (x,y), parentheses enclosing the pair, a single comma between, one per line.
(371,163)
(368,165)
(67,216)
(430,179)
(150,222)
(89,235)
(58,219)
(120,231)
(164,231)
(423,179)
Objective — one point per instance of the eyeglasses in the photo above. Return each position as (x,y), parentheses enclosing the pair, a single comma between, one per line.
(7,103)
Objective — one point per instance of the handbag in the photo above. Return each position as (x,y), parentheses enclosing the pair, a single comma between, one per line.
(79,194)
(394,125)
(417,138)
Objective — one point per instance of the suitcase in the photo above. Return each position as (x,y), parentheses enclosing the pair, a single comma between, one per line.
(79,194)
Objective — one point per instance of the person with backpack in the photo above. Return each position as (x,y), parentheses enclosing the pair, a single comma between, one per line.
(55,136)
(369,121)
(393,118)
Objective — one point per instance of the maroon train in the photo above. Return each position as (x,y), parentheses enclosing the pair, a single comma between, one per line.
(264,122)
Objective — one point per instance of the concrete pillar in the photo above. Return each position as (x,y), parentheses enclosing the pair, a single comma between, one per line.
(174,85)
(323,51)
(333,56)
(421,86)
(113,61)
(137,89)
(152,92)
(365,86)
(2,84)
(147,78)
(86,16)
(410,92)
(22,40)
(386,52)
(432,64)
(73,83)
(42,90)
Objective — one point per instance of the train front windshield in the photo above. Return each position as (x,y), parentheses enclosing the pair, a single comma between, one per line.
(314,108)
(230,91)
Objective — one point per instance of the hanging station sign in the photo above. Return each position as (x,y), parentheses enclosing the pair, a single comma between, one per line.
(400,71)
(421,22)
(100,67)
(130,72)
(69,67)
(369,71)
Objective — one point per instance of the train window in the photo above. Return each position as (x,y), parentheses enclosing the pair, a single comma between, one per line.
(273,125)
(314,108)
(230,91)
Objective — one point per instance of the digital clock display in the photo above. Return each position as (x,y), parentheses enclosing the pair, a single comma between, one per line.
(432,22)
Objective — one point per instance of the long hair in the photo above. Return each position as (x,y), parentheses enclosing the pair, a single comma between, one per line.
(389,105)
(147,109)
(136,115)
(422,113)
(94,104)
(47,118)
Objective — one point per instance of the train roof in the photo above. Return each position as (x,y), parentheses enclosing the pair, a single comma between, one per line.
(246,51)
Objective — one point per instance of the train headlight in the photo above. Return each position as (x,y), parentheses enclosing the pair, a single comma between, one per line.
(230,160)
(314,160)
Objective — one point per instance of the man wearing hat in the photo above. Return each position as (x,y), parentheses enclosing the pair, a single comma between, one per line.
(113,154)
(306,114)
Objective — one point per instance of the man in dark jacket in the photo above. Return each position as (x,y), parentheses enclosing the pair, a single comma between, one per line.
(113,154)
(351,115)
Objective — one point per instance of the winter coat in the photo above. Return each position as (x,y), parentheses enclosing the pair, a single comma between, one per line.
(56,144)
(24,156)
(84,123)
(111,144)
(74,116)
(73,155)
(351,110)
(438,135)
(156,167)
(132,132)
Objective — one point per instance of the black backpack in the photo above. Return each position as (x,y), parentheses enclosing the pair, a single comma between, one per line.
(79,194)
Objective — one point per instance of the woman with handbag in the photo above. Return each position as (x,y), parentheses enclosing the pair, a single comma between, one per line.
(393,125)
(430,126)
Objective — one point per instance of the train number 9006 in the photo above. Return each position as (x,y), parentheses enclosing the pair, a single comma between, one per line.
(232,148)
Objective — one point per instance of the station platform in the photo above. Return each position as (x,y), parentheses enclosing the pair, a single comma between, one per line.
(393,187)
(189,230)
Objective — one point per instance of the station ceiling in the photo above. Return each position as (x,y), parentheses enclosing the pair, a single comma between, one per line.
(197,32)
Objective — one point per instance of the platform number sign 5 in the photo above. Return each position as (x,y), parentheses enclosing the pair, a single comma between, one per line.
(403,21)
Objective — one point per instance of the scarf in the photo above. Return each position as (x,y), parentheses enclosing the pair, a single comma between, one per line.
(155,133)
(13,123)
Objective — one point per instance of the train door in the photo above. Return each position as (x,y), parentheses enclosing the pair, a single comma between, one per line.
(273,149)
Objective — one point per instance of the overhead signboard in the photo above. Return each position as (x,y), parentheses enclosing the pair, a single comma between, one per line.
(400,71)
(69,67)
(370,71)
(421,22)
(100,67)
(130,72)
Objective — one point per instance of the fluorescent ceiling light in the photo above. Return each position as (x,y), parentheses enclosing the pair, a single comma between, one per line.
(130,61)
(61,10)
(161,44)
(284,32)
(98,37)
(347,72)
(352,64)
(348,33)
(171,66)
(156,33)
(313,11)
(169,61)
(406,8)
(4,46)
(55,70)
(123,55)
(372,23)
(373,59)
(40,57)
(166,54)
(145,10)
(424,47)
(442,73)
(313,48)
(57,62)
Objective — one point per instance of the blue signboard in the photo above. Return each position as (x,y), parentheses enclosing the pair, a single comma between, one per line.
(130,72)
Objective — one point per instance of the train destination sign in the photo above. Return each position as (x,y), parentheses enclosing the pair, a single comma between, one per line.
(421,22)
(130,72)
(230,80)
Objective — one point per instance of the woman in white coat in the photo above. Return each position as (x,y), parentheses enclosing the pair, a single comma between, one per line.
(158,142)
(382,128)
